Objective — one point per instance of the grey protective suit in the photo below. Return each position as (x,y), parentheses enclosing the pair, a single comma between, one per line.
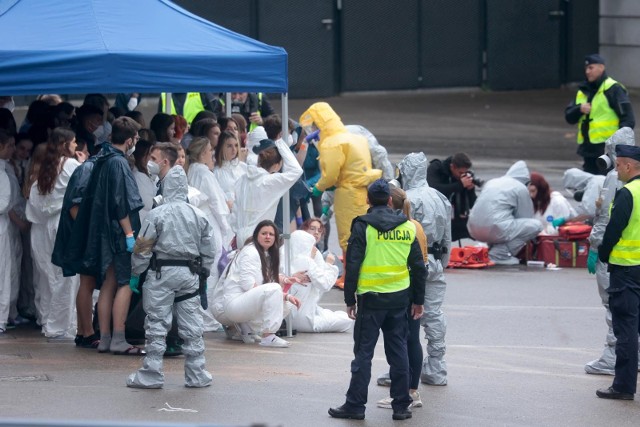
(606,363)
(503,215)
(432,209)
(578,180)
(173,231)
(379,157)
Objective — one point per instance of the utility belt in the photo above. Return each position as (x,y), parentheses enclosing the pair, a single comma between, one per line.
(438,249)
(195,266)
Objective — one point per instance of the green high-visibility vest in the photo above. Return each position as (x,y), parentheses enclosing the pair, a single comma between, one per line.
(603,121)
(627,250)
(163,96)
(192,106)
(384,268)
(252,125)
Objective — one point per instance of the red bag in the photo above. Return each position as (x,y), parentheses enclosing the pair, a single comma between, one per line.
(574,231)
(470,257)
(561,252)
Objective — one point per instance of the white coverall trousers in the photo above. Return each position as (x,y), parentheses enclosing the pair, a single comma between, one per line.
(434,367)
(261,306)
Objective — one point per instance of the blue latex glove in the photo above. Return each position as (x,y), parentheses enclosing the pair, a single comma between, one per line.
(313,136)
(591,261)
(558,222)
(130,242)
(134,283)
(316,192)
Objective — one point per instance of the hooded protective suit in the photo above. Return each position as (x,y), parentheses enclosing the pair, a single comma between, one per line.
(503,215)
(173,231)
(578,180)
(345,162)
(55,294)
(433,210)
(310,317)
(607,361)
(228,174)
(253,138)
(257,194)
(379,157)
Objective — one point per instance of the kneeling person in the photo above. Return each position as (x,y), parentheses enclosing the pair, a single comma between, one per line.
(175,241)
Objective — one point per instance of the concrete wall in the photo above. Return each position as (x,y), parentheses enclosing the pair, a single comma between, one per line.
(620,39)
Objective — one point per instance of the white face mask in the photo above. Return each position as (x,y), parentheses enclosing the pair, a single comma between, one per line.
(131,150)
(11,105)
(153,168)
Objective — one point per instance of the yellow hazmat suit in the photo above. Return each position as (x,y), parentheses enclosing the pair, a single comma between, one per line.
(345,162)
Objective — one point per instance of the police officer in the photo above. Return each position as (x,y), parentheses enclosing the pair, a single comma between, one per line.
(600,108)
(621,249)
(385,274)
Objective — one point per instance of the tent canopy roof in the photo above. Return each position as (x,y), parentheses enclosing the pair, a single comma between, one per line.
(112,46)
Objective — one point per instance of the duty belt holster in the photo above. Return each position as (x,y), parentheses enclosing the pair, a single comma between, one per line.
(195,266)
(438,249)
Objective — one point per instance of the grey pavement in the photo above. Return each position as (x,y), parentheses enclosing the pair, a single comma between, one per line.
(517,339)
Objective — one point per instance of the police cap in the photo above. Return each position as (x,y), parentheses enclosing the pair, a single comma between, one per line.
(264,144)
(379,190)
(594,58)
(631,151)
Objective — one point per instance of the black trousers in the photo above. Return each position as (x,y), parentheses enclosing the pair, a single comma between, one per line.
(625,314)
(395,329)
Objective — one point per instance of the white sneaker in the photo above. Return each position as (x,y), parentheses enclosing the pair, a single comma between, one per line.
(386,402)
(274,341)
(61,338)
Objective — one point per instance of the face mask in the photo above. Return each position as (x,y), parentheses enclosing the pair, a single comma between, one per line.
(98,132)
(153,168)
(131,150)
(235,106)
(132,104)
(11,105)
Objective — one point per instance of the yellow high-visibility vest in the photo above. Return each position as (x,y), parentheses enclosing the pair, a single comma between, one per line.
(192,106)
(384,268)
(163,96)
(627,250)
(603,120)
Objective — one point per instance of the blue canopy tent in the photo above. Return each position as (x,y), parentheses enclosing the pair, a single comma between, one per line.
(111,46)
(125,46)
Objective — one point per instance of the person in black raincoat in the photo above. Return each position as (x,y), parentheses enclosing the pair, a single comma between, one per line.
(76,189)
(104,232)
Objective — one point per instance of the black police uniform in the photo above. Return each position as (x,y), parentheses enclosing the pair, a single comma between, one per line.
(376,311)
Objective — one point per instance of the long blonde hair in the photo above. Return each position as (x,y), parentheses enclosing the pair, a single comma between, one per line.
(400,201)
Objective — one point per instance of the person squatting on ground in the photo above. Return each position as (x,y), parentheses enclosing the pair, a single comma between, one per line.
(319,277)
(175,243)
(548,205)
(620,248)
(600,108)
(605,364)
(249,294)
(503,215)
(385,274)
(586,189)
(55,294)
(103,234)
(399,201)
(452,178)
(345,162)
(431,209)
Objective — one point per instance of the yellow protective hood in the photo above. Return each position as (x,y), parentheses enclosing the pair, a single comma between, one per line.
(325,119)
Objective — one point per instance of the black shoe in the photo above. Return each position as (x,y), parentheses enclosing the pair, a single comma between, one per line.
(402,414)
(343,412)
(610,393)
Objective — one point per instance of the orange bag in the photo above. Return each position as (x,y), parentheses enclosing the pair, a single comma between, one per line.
(574,231)
(470,257)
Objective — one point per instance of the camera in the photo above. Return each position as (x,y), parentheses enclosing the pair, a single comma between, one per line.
(476,181)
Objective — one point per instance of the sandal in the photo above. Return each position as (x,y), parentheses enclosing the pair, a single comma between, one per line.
(131,351)
(92,341)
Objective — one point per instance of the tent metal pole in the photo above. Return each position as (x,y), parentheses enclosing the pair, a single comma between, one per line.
(168,101)
(227,104)
(286,223)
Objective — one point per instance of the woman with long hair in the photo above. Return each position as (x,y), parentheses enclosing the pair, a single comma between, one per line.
(163,127)
(548,204)
(55,294)
(230,163)
(250,292)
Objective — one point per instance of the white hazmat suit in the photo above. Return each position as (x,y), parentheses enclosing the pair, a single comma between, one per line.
(310,317)
(575,179)
(433,210)
(174,231)
(6,260)
(379,156)
(55,294)
(503,215)
(605,365)
(257,194)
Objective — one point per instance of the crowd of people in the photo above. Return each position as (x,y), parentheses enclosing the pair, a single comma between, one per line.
(188,213)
